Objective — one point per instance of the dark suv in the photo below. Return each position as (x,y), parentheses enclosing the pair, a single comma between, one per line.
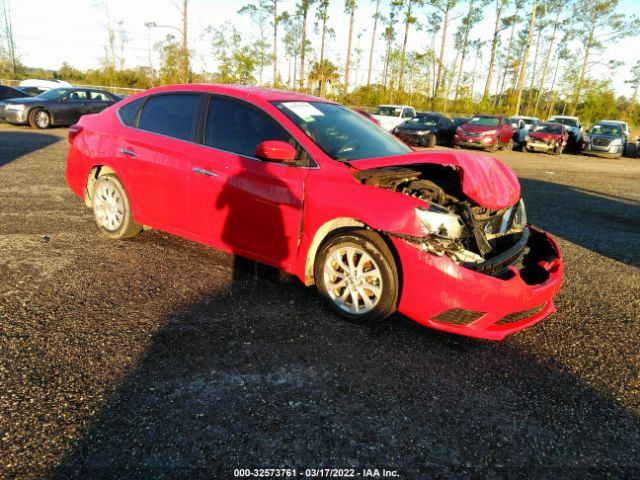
(426,130)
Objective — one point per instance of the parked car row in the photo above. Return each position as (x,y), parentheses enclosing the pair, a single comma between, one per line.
(493,132)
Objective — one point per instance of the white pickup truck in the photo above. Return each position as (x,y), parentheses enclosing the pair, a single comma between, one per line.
(390,116)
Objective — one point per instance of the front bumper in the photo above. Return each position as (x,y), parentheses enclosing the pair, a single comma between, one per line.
(14,117)
(474,142)
(411,139)
(539,146)
(608,151)
(441,294)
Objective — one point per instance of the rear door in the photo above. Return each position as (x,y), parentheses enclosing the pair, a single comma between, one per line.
(238,201)
(157,154)
(98,101)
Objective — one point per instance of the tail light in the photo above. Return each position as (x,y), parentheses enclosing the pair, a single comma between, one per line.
(74,131)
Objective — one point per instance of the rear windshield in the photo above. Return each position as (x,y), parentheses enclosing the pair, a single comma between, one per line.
(600,129)
(484,121)
(388,111)
(546,128)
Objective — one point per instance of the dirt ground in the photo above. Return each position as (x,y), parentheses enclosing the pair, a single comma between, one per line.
(161,358)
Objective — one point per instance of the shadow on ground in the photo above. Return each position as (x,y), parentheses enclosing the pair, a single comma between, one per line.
(225,383)
(603,223)
(16,144)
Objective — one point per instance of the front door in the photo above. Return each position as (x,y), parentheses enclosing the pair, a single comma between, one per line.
(72,106)
(238,201)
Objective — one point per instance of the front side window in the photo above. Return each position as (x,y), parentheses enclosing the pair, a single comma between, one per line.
(341,133)
(174,115)
(407,113)
(236,127)
(484,121)
(77,96)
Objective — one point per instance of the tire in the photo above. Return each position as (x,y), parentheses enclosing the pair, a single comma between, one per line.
(558,149)
(456,146)
(39,118)
(111,209)
(494,148)
(350,253)
(432,140)
(509,146)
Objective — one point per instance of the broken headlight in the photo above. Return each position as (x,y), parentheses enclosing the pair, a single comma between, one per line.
(439,221)
(520,217)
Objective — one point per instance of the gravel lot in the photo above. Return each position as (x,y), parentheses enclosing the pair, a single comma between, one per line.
(160,358)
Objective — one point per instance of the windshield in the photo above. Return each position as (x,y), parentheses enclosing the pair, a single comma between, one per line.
(546,128)
(421,122)
(603,129)
(52,94)
(341,133)
(484,121)
(385,111)
(570,122)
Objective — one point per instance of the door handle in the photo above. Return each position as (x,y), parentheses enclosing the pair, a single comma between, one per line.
(124,151)
(202,171)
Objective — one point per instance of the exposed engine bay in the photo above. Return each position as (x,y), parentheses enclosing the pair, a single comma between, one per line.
(471,235)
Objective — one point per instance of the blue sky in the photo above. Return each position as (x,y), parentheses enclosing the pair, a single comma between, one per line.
(48,33)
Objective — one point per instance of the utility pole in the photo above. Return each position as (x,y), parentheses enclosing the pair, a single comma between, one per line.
(523,67)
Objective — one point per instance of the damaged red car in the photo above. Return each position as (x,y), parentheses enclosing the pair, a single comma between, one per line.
(547,137)
(311,187)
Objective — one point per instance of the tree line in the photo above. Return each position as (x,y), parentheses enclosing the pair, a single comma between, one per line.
(537,59)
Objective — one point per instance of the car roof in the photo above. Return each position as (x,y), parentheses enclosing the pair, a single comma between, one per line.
(564,116)
(487,115)
(245,91)
(396,106)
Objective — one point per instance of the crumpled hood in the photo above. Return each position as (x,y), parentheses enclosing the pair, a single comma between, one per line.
(485,180)
(545,136)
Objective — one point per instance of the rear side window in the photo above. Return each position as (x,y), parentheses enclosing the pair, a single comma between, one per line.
(174,115)
(238,128)
(129,112)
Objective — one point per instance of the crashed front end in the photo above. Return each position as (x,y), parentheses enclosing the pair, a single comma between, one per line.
(476,271)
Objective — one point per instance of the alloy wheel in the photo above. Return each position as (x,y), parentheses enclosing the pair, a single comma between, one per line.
(42,119)
(353,280)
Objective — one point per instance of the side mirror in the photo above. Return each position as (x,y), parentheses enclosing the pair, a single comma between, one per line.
(275,151)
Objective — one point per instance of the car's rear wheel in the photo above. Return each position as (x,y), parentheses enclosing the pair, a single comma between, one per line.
(509,146)
(356,274)
(111,209)
(39,118)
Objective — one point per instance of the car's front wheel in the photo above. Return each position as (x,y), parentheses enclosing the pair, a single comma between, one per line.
(356,274)
(432,140)
(39,118)
(111,209)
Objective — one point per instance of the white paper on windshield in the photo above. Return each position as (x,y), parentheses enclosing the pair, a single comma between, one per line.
(304,110)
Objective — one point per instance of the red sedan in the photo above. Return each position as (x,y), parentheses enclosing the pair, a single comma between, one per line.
(547,137)
(311,187)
